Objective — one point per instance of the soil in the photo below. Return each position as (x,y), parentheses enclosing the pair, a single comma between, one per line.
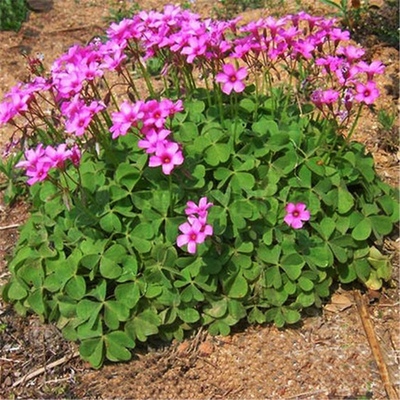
(330,355)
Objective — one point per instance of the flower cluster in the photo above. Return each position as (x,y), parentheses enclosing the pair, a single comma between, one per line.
(150,118)
(333,72)
(38,162)
(196,229)
(89,107)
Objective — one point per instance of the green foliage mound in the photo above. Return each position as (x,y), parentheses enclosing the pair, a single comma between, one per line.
(112,253)
(12,14)
(107,270)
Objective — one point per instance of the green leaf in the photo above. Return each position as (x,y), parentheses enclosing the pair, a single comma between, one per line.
(275,315)
(219,328)
(321,256)
(143,325)
(110,267)
(346,273)
(161,201)
(362,231)
(217,153)
(275,297)
(99,291)
(188,131)
(188,315)
(304,176)
(286,164)
(339,252)
(270,254)
(90,329)
(126,175)
(198,173)
(239,211)
(327,227)
(316,166)
(273,277)
(387,204)
(86,309)
(290,316)
(362,268)
(217,309)
(236,310)
(37,302)
(111,223)
(16,291)
(381,225)
(92,350)
(237,286)
(242,180)
(248,105)
(374,282)
(345,200)
(306,284)
(292,264)
(114,312)
(306,299)
(128,293)
(116,344)
(278,142)
(256,316)
(76,287)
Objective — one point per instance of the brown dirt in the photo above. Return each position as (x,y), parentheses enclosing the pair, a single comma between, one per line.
(328,356)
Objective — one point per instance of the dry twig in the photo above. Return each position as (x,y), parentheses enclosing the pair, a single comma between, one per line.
(375,348)
(41,370)
(12,226)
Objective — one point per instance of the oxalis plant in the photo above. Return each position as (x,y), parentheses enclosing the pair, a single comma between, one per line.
(189,173)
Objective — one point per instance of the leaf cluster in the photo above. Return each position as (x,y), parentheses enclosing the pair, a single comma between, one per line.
(106,269)
(12,14)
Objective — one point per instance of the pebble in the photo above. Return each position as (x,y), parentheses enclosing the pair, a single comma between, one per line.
(40,5)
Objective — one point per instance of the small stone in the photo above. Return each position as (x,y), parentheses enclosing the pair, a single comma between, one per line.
(183,348)
(40,5)
(206,349)
(7,381)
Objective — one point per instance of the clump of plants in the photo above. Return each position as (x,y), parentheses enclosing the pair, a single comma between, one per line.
(221,187)
(12,14)
(365,20)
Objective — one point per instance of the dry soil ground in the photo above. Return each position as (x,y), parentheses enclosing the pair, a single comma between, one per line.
(328,356)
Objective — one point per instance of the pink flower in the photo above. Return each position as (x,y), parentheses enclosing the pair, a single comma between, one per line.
(32,156)
(58,156)
(128,115)
(75,156)
(338,35)
(376,67)
(351,53)
(320,97)
(38,172)
(195,47)
(36,163)
(152,138)
(194,232)
(296,214)
(156,113)
(201,209)
(112,55)
(367,93)
(79,115)
(167,155)
(232,79)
